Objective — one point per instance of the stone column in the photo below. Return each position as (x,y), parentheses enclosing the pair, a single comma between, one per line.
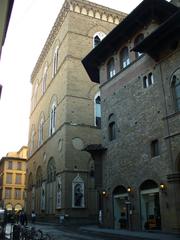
(174,201)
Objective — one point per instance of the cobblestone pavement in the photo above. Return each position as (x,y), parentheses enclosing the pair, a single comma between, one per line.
(59,232)
(71,233)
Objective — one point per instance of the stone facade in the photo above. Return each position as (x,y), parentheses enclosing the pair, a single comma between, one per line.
(62,118)
(140,124)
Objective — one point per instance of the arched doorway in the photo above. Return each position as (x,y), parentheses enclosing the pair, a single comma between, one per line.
(150,206)
(9,207)
(18,207)
(120,197)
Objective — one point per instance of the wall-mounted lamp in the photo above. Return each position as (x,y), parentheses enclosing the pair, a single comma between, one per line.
(162,188)
(104,193)
(129,189)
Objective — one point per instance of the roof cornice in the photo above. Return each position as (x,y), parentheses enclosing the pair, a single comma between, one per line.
(106,14)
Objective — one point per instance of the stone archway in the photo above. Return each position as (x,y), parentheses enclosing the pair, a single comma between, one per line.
(150,205)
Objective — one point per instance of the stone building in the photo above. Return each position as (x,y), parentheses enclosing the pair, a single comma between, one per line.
(65,114)
(5,14)
(12,179)
(139,80)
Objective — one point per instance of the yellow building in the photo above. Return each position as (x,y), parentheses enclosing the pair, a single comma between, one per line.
(12,179)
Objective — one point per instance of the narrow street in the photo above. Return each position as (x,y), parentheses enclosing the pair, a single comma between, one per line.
(59,232)
(76,233)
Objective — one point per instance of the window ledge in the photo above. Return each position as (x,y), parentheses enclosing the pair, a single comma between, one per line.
(155,157)
(172,115)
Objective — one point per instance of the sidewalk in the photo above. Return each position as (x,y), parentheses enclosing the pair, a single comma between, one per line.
(144,235)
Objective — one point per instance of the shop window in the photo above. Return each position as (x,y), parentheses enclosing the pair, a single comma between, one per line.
(124,57)
(150,205)
(111,68)
(120,197)
(154,148)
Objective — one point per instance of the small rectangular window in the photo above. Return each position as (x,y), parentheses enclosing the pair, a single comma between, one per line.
(9,164)
(8,178)
(19,166)
(154,148)
(17,193)
(8,193)
(18,178)
(145,82)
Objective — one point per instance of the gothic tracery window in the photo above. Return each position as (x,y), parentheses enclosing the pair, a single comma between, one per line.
(124,57)
(97,38)
(97,110)
(176,89)
(111,68)
(52,126)
(51,171)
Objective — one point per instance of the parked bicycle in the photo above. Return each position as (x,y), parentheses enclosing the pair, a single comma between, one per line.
(29,233)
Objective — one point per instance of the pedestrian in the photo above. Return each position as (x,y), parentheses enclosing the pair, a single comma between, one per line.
(23,218)
(33,217)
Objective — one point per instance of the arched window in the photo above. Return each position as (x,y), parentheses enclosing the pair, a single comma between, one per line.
(148,80)
(176,89)
(52,125)
(97,110)
(112,127)
(137,40)
(55,61)
(40,130)
(111,68)
(97,38)
(124,58)
(44,79)
(51,171)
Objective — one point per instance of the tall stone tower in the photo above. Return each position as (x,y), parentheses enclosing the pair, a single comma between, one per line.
(65,114)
